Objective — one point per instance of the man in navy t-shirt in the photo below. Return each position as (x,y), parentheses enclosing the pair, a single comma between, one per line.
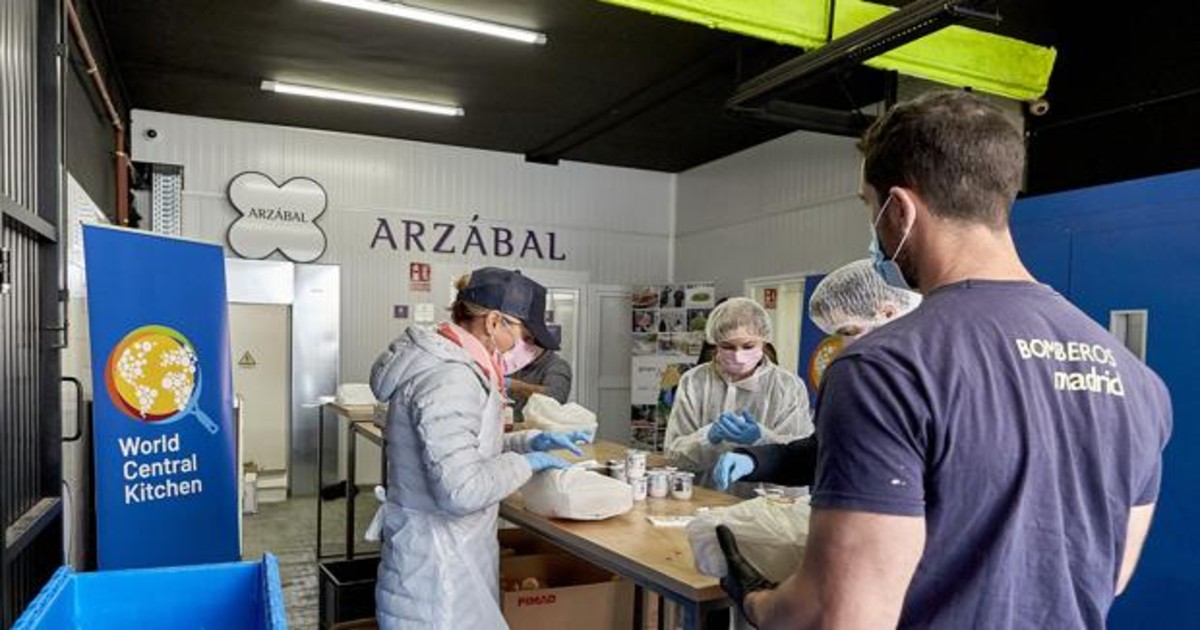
(992,459)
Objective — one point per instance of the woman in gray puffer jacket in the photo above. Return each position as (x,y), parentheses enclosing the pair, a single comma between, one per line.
(450,462)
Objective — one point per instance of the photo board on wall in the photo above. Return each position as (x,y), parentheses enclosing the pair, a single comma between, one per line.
(667,325)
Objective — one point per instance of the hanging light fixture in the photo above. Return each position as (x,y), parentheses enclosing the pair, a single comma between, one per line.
(429,16)
(365,99)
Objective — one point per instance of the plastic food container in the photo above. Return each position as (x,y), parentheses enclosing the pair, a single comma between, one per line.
(659,483)
(639,488)
(635,464)
(616,470)
(681,485)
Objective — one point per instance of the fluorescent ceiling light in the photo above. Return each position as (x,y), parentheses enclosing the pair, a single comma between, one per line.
(366,99)
(429,16)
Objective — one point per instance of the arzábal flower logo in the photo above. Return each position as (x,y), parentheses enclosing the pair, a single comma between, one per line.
(277,218)
(153,376)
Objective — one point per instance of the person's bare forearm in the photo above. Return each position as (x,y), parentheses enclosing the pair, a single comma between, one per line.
(521,389)
(1139,526)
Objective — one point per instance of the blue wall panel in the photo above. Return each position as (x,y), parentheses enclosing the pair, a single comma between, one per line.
(1155,268)
(1046,251)
(1137,245)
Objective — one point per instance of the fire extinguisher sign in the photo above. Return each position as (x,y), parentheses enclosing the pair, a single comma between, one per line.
(419,277)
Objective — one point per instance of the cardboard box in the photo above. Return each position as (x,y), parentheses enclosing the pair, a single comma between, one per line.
(575,595)
(515,541)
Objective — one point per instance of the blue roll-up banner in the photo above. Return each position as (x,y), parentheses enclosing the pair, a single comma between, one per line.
(816,348)
(165,442)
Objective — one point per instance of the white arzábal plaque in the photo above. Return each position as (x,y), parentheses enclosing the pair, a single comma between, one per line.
(277,218)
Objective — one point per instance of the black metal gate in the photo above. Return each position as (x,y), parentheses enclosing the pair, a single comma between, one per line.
(30,315)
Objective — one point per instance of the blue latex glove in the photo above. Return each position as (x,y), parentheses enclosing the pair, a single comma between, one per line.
(720,430)
(741,429)
(580,437)
(552,441)
(731,467)
(545,461)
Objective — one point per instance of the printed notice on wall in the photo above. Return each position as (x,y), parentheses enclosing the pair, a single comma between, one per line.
(424,313)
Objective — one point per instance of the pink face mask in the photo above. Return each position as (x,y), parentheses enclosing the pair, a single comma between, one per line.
(737,363)
(520,356)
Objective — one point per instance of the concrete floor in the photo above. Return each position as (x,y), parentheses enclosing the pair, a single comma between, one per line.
(289,530)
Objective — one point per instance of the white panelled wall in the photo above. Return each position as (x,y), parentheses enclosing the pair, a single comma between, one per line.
(611,224)
(784,207)
(788,206)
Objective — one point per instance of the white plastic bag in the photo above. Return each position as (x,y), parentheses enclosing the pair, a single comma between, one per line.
(770,534)
(577,494)
(546,414)
(376,527)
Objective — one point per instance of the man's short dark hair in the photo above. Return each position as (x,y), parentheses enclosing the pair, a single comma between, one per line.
(959,152)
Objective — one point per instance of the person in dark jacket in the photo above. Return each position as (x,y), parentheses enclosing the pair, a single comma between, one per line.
(531,369)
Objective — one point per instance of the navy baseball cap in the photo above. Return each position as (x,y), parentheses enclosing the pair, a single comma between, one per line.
(512,294)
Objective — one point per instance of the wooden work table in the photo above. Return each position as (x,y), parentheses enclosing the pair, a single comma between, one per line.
(656,558)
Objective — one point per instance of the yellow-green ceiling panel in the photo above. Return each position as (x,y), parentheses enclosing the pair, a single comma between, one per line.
(800,23)
(955,55)
(958,56)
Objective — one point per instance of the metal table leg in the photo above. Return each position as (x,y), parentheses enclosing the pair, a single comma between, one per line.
(383,463)
(693,617)
(351,488)
(639,607)
(320,467)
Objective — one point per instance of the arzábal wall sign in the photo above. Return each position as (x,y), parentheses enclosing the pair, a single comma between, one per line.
(165,441)
(442,237)
(277,218)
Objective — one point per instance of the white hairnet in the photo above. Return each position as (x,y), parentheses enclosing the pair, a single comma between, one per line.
(855,295)
(734,314)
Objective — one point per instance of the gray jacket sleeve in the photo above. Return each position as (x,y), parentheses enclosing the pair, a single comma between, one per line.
(448,413)
(557,379)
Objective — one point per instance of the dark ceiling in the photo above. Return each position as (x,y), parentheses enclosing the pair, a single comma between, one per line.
(613,85)
(208,58)
(1124,95)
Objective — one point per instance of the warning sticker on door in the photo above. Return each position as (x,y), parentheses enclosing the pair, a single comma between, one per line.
(247,360)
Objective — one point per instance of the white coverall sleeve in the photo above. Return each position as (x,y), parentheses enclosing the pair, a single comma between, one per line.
(793,420)
(686,440)
(448,413)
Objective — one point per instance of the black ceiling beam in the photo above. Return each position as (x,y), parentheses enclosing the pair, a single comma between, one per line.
(809,118)
(633,105)
(915,20)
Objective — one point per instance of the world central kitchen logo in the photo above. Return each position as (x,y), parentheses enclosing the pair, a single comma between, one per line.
(277,217)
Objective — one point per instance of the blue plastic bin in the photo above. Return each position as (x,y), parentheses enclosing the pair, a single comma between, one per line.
(232,596)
